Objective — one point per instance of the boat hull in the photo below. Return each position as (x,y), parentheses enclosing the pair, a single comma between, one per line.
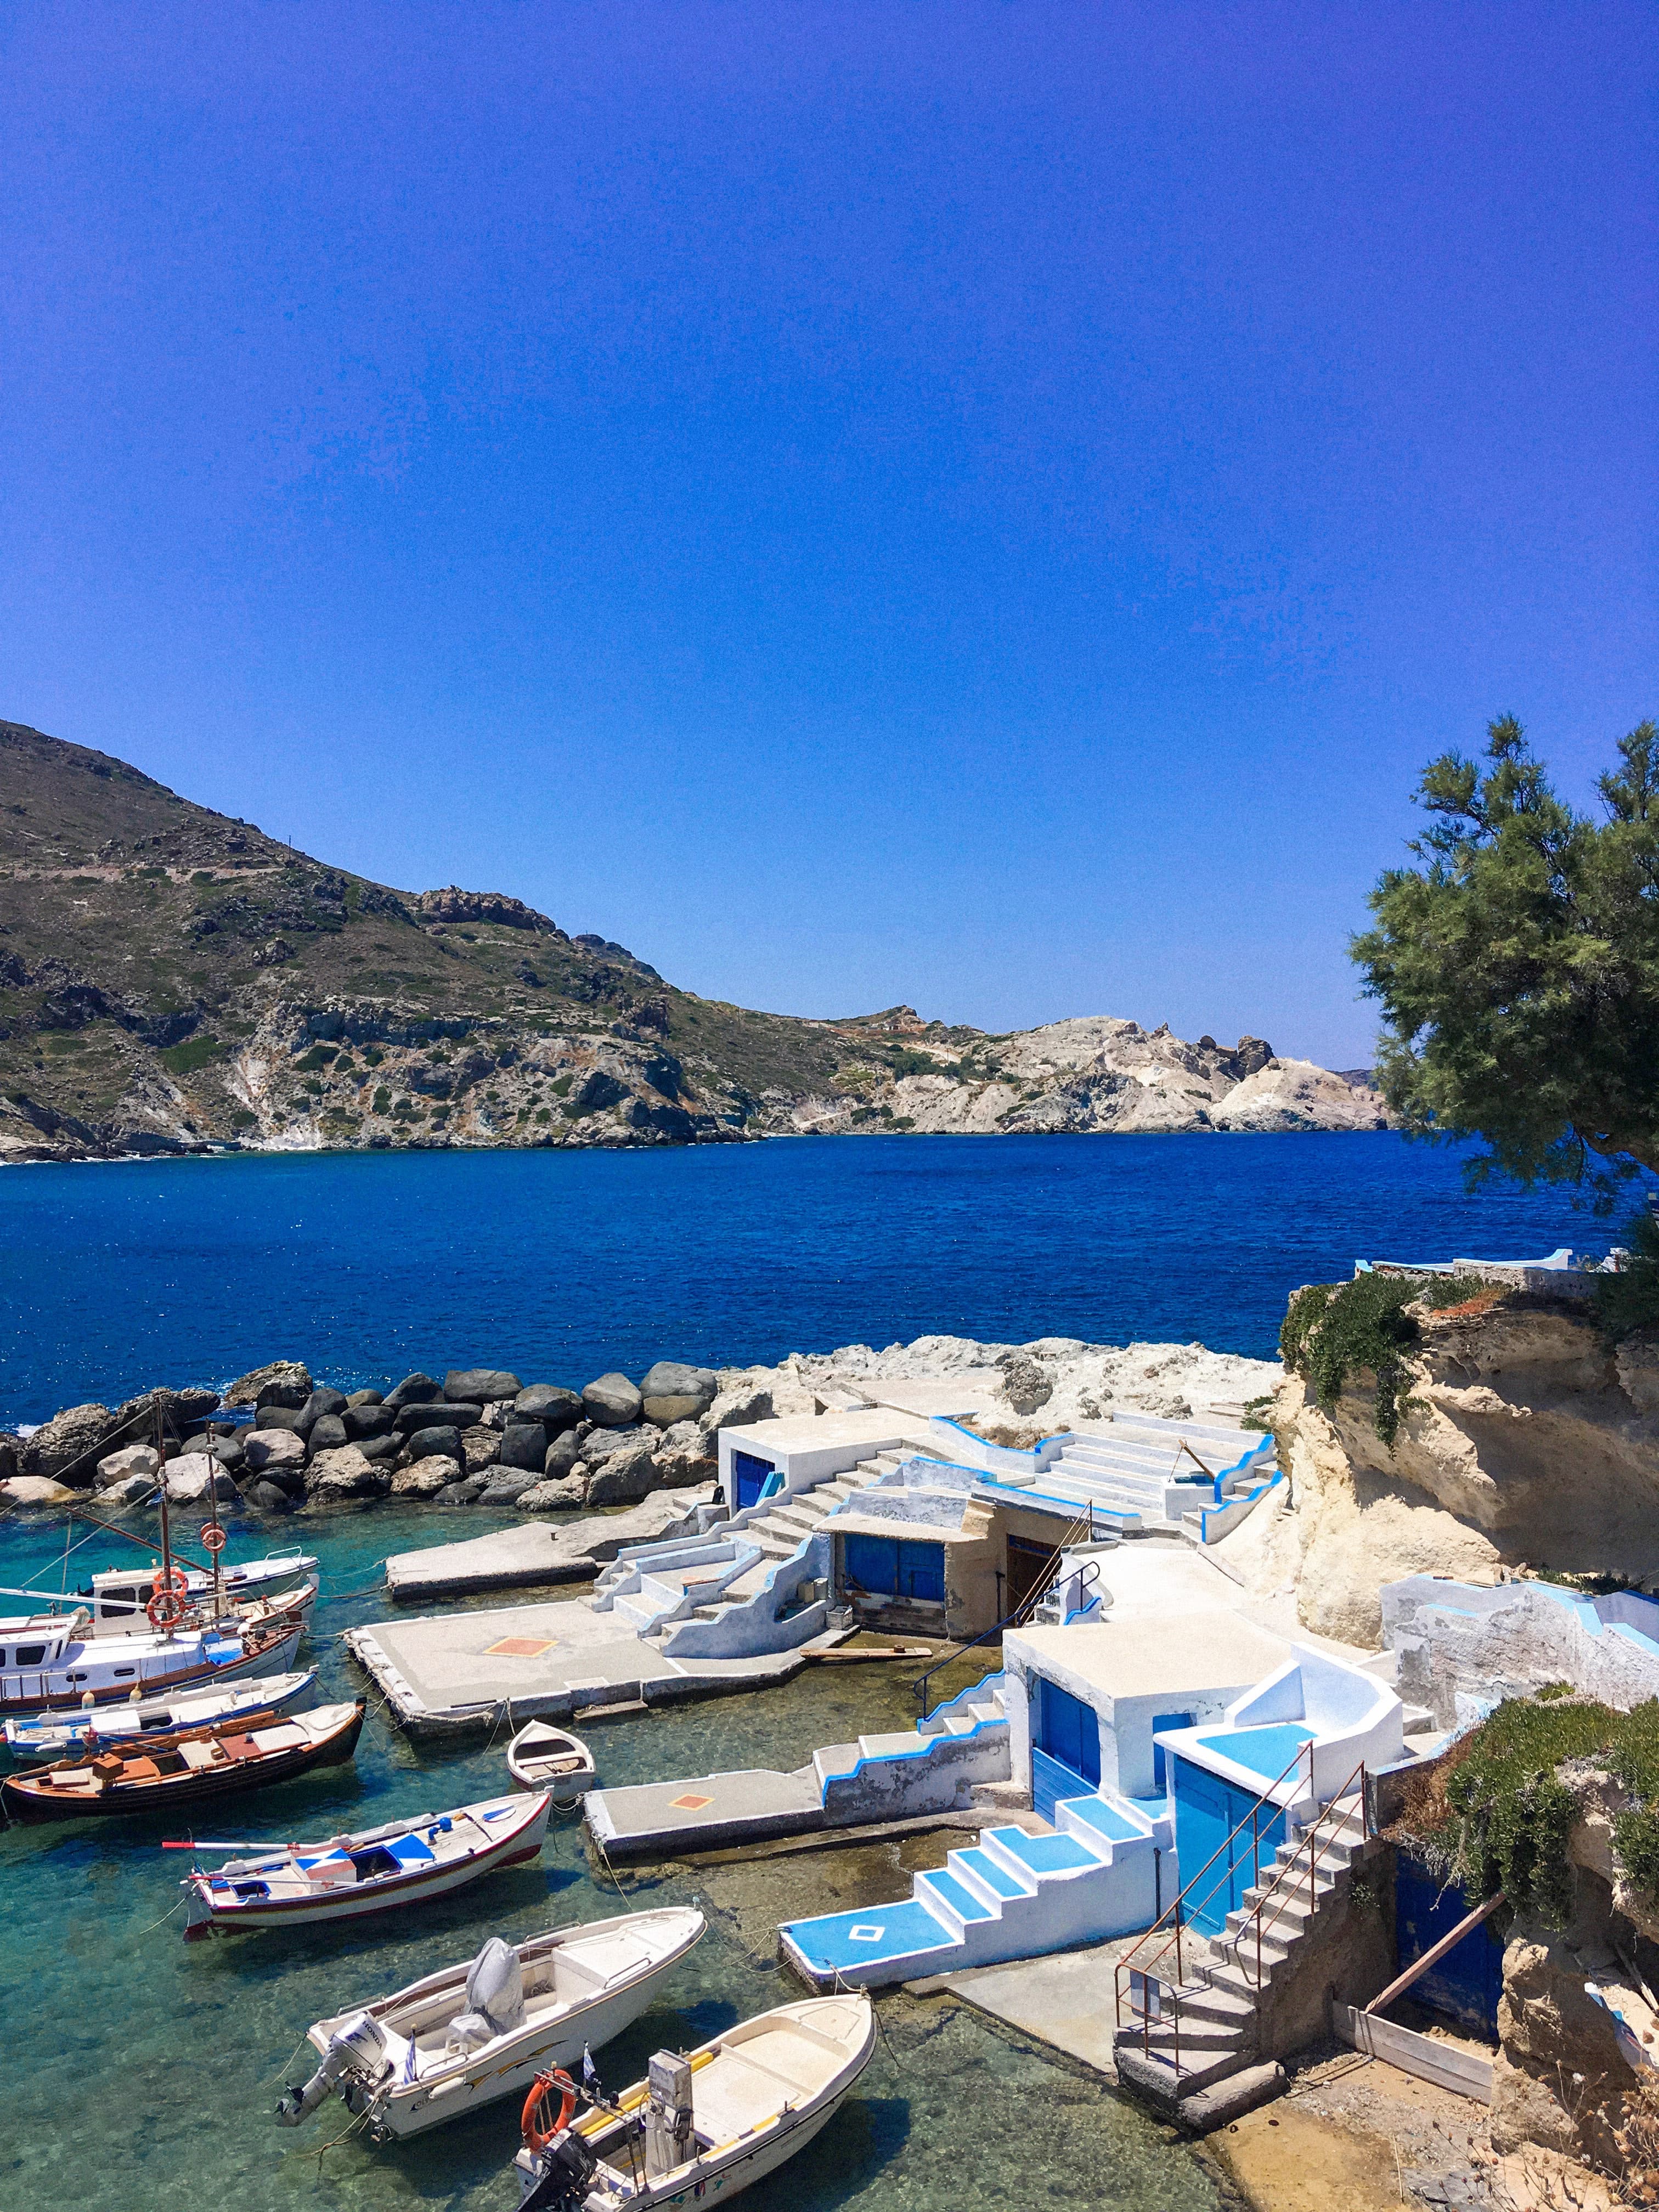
(52,1691)
(203,1914)
(127,1724)
(411,2111)
(25,1799)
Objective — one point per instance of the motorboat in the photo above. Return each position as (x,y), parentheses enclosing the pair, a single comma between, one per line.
(117,1597)
(378,1870)
(186,1766)
(44,1734)
(543,1757)
(487,2026)
(52,1660)
(714,2121)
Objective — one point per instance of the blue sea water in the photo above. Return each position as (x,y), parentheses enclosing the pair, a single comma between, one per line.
(563,1265)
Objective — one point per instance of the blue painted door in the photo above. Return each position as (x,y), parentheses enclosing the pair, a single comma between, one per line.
(748,1476)
(1065,1748)
(894,1566)
(1466,1984)
(1224,1836)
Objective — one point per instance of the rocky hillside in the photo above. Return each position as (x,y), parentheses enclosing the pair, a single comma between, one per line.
(173,980)
(1525,1440)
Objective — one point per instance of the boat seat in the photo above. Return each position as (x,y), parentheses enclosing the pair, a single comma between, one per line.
(196,1756)
(141,1770)
(730,2095)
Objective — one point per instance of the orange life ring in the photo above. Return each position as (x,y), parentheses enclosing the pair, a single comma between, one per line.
(538,2138)
(168,1598)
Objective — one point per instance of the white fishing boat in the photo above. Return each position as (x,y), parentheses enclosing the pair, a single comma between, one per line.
(486,2027)
(399,1863)
(714,2121)
(45,1733)
(543,1757)
(117,1597)
(52,1660)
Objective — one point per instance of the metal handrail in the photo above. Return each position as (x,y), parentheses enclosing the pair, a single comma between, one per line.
(1145,1973)
(1016,1618)
(1339,1804)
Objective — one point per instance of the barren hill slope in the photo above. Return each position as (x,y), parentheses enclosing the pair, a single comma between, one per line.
(172,980)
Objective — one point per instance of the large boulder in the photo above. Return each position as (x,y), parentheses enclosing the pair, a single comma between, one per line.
(266,1448)
(344,1473)
(423,1478)
(328,1434)
(231,1452)
(567,1495)
(377,1449)
(292,1374)
(481,1448)
(11,1455)
(612,1402)
(621,1478)
(440,1414)
(555,1409)
(674,1393)
(357,1398)
(287,1395)
(415,1390)
(128,1490)
(462,1492)
(266,1497)
(130,1460)
(740,1407)
(323,1403)
(562,1454)
(482,1386)
(192,1478)
(179,1408)
(371,1418)
(429,1443)
(686,1457)
(505,1486)
(278,1417)
(64,1448)
(525,1446)
(36,1490)
(1026,1382)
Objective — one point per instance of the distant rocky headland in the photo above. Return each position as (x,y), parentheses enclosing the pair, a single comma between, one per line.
(173,980)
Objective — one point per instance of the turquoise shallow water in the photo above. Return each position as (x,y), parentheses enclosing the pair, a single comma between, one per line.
(139,2072)
(563,1265)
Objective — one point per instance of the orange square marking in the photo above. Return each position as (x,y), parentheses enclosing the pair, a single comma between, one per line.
(520,1647)
(690,1803)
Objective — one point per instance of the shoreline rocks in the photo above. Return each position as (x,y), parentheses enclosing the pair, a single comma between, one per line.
(485,1435)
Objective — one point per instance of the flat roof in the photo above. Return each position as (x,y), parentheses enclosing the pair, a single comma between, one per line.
(1169,1655)
(794,1432)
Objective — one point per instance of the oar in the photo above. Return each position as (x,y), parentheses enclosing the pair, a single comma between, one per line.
(198,1843)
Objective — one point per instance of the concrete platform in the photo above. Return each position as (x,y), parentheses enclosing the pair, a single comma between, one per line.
(539,1551)
(443,1675)
(658,1820)
(1065,1999)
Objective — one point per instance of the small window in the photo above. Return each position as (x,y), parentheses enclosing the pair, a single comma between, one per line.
(74,1678)
(30,1655)
(121,1673)
(3,1658)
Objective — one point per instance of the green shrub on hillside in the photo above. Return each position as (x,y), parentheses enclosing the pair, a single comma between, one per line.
(194,1053)
(1333,1330)
(1629,1300)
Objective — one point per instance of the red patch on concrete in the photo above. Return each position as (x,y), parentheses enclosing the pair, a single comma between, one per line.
(689,1804)
(518,1647)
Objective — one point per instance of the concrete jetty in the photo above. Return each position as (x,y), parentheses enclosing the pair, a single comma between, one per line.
(538,1553)
(444,1674)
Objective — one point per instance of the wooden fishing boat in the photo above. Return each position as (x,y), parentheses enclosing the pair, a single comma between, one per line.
(186,1766)
(399,1863)
(486,2027)
(44,1734)
(714,2121)
(117,1597)
(49,1662)
(543,1757)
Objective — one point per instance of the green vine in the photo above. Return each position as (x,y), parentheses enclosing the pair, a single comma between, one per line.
(1333,1330)
(1502,1790)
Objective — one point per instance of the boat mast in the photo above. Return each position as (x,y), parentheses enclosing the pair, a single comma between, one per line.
(167,1539)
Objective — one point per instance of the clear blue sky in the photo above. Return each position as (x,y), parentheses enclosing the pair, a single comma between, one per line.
(983,505)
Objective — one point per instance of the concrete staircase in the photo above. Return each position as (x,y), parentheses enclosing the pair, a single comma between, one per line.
(905,1759)
(1136,1469)
(1013,1895)
(746,1585)
(1208,2027)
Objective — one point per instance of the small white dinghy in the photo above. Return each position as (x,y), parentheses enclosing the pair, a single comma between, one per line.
(714,2121)
(397,1863)
(49,1732)
(542,1757)
(485,2028)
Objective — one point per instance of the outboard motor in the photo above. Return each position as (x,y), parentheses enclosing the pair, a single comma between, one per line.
(556,2179)
(357,2048)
